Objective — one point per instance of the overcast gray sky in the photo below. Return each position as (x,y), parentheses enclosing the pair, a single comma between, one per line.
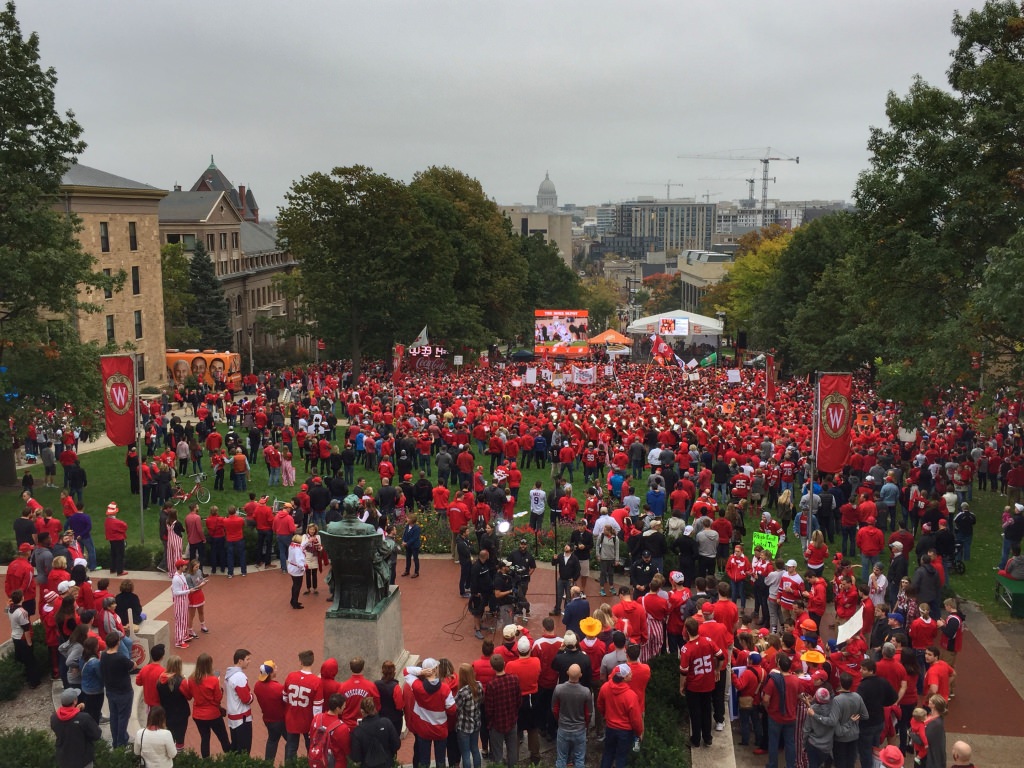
(602,94)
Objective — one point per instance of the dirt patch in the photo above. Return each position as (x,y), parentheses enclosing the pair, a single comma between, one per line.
(31,710)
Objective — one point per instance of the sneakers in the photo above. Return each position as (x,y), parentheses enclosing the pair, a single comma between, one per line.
(719,726)
(603,594)
(478,635)
(759,751)
(181,645)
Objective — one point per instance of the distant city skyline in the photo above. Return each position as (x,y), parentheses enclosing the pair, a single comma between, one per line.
(604,96)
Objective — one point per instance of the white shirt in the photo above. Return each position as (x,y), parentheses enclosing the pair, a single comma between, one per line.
(157,747)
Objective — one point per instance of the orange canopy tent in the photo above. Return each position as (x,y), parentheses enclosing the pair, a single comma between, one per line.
(611,337)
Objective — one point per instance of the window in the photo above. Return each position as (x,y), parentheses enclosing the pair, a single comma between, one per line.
(140,367)
(110,328)
(211,242)
(133,238)
(108,292)
(104,237)
(187,240)
(136,281)
(234,241)
(238,304)
(138,323)
(223,241)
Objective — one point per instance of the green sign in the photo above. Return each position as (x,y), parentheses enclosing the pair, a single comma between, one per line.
(768,541)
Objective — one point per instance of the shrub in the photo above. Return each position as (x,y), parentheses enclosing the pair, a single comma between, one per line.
(7,551)
(666,734)
(139,557)
(27,749)
(189,759)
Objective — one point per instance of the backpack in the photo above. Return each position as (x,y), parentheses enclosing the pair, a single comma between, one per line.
(319,745)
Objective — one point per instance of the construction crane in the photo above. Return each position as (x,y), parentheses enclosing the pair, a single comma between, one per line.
(707,196)
(668,186)
(750,181)
(764,161)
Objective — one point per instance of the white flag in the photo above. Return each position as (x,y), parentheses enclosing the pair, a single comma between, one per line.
(584,375)
(546,374)
(531,376)
(422,339)
(609,371)
(693,363)
(694,377)
(733,376)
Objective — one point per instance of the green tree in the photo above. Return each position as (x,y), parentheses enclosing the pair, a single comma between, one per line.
(47,276)
(374,268)
(208,314)
(491,274)
(178,297)
(601,298)
(942,204)
(551,283)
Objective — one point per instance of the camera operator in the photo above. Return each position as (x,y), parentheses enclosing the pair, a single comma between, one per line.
(524,565)
(481,587)
(504,593)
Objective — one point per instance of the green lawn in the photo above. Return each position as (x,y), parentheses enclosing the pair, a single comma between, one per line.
(108,481)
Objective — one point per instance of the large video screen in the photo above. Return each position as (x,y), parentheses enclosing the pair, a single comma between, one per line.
(561,332)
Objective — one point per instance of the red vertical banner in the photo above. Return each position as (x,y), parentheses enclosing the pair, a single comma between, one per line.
(769,379)
(833,416)
(119,393)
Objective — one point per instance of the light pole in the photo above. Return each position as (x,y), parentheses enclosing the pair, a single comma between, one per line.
(721,321)
(252,367)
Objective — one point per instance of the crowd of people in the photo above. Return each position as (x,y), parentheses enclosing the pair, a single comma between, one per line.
(675,475)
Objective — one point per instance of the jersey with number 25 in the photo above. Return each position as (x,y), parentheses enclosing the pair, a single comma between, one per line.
(698,660)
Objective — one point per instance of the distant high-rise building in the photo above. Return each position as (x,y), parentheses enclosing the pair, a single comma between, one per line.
(680,224)
(547,197)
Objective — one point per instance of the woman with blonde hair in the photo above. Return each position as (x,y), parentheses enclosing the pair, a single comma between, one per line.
(196,598)
(173,700)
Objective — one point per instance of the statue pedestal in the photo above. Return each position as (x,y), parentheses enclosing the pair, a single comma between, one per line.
(374,635)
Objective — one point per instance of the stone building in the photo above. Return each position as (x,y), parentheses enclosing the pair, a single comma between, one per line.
(120,227)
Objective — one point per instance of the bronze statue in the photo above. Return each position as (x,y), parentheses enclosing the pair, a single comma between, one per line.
(360,562)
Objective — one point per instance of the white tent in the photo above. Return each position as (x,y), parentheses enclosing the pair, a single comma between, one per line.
(698,329)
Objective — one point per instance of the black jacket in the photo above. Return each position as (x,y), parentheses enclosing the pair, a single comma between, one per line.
(568,570)
(375,743)
(75,739)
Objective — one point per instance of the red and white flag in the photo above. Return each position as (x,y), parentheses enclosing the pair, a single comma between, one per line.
(833,415)
(660,347)
(421,340)
(119,393)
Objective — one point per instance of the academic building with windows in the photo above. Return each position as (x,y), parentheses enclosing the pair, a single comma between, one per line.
(244,252)
(120,227)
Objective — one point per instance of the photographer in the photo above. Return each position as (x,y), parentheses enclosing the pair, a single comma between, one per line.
(481,587)
(504,593)
(524,565)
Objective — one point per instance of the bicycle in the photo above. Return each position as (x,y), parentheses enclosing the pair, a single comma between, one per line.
(199,491)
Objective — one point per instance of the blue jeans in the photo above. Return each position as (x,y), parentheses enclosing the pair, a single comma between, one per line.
(738,593)
(618,743)
(350,475)
(867,563)
(749,723)
(849,537)
(721,492)
(965,543)
(218,554)
(568,745)
(90,551)
(283,542)
(786,732)
(120,706)
(236,556)
(869,738)
(273,476)
(421,753)
(469,746)
(264,547)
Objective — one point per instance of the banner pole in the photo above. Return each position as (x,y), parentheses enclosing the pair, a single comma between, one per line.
(138,444)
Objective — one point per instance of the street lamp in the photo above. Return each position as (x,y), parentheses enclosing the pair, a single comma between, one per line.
(721,321)
(252,368)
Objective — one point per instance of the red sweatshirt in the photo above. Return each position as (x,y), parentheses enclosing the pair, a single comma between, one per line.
(619,706)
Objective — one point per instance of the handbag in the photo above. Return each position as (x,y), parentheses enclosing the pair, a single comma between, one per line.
(140,761)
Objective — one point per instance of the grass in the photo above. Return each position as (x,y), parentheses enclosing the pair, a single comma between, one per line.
(108,481)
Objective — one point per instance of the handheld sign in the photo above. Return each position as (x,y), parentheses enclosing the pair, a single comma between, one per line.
(769,541)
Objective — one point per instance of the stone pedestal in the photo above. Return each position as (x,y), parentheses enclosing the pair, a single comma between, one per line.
(376,636)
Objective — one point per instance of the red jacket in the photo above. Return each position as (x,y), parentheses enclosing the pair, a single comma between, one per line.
(620,707)
(114,529)
(205,697)
(428,707)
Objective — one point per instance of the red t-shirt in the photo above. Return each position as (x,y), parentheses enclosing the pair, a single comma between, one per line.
(234,527)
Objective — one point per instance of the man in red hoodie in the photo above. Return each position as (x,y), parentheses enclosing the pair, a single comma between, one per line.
(623,717)
(630,617)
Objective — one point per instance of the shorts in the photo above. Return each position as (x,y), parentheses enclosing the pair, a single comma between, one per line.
(584,567)
(723,550)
